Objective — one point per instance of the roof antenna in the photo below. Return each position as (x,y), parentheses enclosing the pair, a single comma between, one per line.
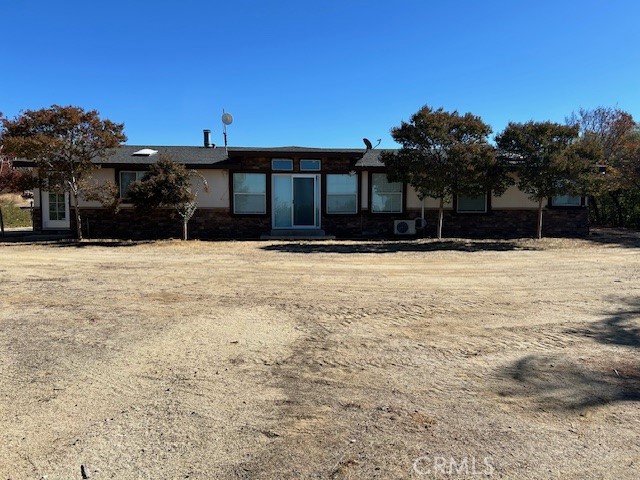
(367,143)
(227,119)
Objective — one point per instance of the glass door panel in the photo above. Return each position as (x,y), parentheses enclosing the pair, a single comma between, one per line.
(282,201)
(304,201)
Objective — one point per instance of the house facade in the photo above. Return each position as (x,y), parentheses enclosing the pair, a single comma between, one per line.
(295,191)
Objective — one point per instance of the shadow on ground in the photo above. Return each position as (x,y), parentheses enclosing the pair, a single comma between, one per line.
(615,236)
(383,246)
(621,327)
(557,382)
(101,243)
(72,243)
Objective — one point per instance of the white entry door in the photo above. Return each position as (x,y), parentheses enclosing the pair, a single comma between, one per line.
(55,211)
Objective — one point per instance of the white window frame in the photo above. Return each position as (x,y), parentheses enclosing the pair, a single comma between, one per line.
(484,209)
(354,194)
(60,200)
(138,173)
(58,223)
(375,194)
(237,194)
(312,169)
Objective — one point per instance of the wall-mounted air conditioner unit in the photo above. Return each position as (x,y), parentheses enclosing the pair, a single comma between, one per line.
(404,227)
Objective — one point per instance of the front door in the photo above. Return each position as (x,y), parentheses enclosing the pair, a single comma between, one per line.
(55,211)
(296,201)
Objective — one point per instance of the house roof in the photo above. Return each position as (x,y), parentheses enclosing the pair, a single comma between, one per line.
(125,155)
(371,159)
(219,157)
(294,151)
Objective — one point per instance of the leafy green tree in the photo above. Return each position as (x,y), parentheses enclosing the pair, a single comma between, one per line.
(444,154)
(615,137)
(64,143)
(167,184)
(546,161)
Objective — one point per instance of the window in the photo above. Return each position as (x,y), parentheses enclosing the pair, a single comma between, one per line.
(126,179)
(386,196)
(475,204)
(566,201)
(342,194)
(285,164)
(249,193)
(310,165)
(57,206)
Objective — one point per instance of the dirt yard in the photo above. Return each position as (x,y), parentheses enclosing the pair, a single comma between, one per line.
(328,360)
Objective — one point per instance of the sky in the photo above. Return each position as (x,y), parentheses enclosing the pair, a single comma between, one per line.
(322,73)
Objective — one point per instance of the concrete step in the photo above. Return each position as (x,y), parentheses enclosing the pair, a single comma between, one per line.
(297,237)
(297,234)
(308,232)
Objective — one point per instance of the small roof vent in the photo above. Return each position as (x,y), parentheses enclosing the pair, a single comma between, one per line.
(145,152)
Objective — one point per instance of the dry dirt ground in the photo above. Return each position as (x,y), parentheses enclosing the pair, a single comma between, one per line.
(276,360)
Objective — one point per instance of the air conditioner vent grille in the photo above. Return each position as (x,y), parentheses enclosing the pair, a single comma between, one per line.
(404,227)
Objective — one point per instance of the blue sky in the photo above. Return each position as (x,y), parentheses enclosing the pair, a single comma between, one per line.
(324,73)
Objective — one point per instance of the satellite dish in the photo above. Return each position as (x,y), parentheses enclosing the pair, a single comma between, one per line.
(367,143)
(227,118)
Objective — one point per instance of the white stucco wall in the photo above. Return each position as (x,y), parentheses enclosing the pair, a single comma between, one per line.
(101,176)
(413,202)
(512,199)
(218,194)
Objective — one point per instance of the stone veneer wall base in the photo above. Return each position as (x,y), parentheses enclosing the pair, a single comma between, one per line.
(217,224)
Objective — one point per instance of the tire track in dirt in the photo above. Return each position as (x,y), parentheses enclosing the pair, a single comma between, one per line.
(160,388)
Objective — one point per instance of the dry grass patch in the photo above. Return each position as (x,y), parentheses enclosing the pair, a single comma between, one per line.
(12,214)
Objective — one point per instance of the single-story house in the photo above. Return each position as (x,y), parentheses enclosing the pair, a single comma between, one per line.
(283,191)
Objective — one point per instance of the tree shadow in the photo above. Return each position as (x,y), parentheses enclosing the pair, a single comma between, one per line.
(619,328)
(100,243)
(557,383)
(615,236)
(72,243)
(382,246)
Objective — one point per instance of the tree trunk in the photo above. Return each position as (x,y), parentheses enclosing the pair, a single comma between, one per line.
(77,213)
(440,218)
(422,222)
(615,197)
(593,203)
(539,230)
(1,221)
(185,229)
